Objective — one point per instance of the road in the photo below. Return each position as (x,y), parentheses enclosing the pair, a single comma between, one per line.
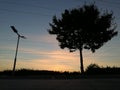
(70,84)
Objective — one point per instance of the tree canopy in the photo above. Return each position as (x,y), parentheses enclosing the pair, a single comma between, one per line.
(83,28)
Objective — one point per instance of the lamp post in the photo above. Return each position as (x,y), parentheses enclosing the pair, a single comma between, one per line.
(19,36)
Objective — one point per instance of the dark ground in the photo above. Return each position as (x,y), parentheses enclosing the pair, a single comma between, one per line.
(49,80)
(60,84)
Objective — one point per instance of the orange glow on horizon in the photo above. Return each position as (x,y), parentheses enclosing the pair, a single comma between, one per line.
(59,60)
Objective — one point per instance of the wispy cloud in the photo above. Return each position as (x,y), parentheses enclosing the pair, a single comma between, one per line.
(46,64)
(43,38)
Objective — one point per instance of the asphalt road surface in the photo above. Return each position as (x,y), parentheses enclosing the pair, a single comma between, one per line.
(70,84)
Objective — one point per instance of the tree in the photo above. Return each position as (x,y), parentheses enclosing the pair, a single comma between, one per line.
(83,28)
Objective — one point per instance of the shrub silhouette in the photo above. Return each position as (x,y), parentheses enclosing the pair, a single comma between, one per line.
(95,69)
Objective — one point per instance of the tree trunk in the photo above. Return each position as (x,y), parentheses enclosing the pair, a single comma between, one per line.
(81,62)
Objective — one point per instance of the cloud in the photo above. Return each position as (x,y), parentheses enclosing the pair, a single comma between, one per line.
(46,64)
(43,38)
(51,54)
(59,60)
(55,60)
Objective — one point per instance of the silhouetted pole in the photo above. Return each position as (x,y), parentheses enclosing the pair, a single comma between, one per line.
(19,36)
(16,55)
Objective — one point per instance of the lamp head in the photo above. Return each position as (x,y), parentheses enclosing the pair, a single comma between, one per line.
(14,29)
(23,37)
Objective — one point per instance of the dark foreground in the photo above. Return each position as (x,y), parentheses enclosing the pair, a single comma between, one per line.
(53,84)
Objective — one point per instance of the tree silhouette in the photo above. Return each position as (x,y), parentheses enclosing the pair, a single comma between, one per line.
(83,28)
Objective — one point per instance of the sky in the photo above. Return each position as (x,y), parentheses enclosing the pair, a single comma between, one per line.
(41,51)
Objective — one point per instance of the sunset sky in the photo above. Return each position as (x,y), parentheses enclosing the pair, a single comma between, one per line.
(40,50)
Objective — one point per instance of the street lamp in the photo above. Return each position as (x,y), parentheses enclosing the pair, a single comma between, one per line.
(19,36)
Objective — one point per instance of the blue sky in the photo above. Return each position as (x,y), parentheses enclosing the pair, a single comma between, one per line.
(40,50)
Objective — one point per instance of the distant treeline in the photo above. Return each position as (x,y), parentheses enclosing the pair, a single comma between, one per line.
(42,74)
(35,72)
(92,69)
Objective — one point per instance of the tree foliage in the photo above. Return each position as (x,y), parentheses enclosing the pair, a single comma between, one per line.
(83,28)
